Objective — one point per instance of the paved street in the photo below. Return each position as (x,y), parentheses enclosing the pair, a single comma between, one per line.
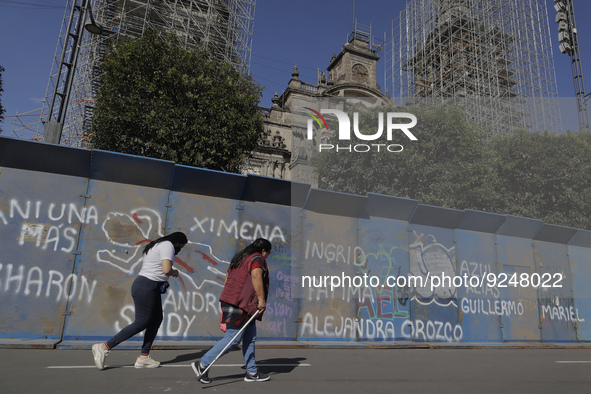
(303,370)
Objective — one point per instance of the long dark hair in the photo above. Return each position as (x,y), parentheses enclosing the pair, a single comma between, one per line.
(177,237)
(257,246)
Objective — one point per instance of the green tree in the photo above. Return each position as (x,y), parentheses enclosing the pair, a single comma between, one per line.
(2,110)
(159,100)
(450,164)
(454,165)
(545,176)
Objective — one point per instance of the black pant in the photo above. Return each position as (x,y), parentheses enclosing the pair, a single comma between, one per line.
(148,314)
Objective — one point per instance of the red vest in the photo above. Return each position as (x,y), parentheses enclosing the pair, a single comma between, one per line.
(238,290)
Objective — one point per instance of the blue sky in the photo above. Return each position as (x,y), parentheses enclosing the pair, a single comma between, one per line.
(286,32)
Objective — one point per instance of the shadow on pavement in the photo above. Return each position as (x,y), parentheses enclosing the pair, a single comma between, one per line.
(186,357)
(272,366)
(279,365)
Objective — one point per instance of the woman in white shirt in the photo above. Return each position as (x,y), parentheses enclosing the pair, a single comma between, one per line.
(147,290)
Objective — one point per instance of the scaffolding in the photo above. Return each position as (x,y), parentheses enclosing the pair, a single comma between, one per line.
(223,26)
(491,56)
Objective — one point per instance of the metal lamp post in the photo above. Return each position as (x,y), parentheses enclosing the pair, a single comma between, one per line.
(569,44)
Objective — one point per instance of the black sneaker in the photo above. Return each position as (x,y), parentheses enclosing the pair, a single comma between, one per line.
(202,377)
(256,377)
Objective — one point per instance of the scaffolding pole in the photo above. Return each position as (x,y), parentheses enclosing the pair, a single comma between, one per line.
(492,57)
(223,26)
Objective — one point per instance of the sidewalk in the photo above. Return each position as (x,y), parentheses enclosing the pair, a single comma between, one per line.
(43,343)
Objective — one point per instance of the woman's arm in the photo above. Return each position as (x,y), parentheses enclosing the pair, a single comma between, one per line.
(257,283)
(168,270)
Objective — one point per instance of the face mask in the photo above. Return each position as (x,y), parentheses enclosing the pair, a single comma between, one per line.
(177,249)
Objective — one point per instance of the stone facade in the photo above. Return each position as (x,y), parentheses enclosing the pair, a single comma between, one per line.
(351,73)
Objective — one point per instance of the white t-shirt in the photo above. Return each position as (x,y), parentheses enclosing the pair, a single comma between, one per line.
(152,264)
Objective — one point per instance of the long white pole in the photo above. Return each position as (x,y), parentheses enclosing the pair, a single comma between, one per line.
(232,341)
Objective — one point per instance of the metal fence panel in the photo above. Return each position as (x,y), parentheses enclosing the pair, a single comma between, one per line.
(517,306)
(41,215)
(125,218)
(329,255)
(273,222)
(580,258)
(216,232)
(434,305)
(552,280)
(476,258)
(385,243)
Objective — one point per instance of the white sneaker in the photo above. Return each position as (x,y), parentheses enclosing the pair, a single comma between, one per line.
(147,362)
(99,353)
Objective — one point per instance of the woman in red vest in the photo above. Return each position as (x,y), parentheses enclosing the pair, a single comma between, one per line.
(245,290)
